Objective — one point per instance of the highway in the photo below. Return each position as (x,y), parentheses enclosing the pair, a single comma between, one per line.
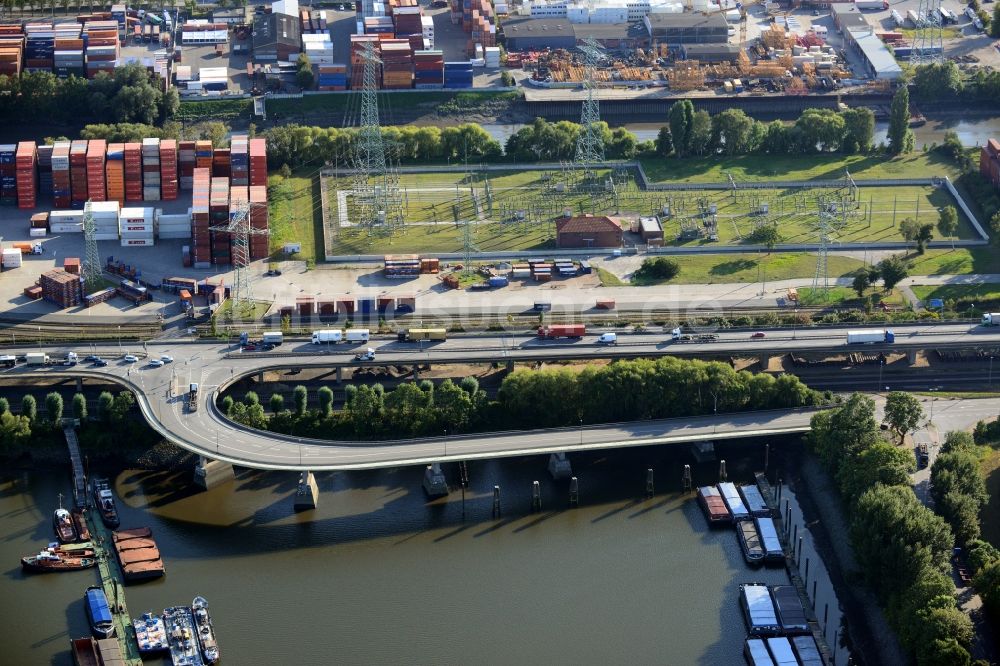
(161,391)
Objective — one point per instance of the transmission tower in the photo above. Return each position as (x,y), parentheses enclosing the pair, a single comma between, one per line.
(590,145)
(831,217)
(238,228)
(377,201)
(928,42)
(92,269)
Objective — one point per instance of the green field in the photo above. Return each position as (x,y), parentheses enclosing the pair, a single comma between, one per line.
(984,297)
(517,210)
(295,214)
(749,268)
(433,101)
(222,109)
(984,260)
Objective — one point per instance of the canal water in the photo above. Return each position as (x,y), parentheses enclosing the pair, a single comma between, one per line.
(377,574)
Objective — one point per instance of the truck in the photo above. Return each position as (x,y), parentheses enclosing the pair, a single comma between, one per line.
(991,319)
(870,336)
(192,397)
(8,361)
(37,358)
(273,338)
(877,5)
(357,335)
(418,334)
(562,331)
(325,336)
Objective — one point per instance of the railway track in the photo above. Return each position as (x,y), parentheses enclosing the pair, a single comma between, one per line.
(75,330)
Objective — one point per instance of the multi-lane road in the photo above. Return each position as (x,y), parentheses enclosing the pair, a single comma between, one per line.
(161,391)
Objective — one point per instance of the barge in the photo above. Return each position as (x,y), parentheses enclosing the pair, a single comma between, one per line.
(754,501)
(206,630)
(137,554)
(758,610)
(733,501)
(773,552)
(713,506)
(791,612)
(150,633)
(102,623)
(181,636)
(753,551)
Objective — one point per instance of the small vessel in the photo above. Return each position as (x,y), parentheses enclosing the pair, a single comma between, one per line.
(80,522)
(181,637)
(49,561)
(81,549)
(102,623)
(105,501)
(733,501)
(206,631)
(711,503)
(435,485)
(90,652)
(749,540)
(150,633)
(62,523)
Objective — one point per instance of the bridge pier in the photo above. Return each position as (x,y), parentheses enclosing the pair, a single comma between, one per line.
(765,361)
(210,473)
(79,384)
(559,466)
(307,494)
(416,373)
(911,357)
(340,375)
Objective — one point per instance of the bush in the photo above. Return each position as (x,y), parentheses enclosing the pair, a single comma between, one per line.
(657,269)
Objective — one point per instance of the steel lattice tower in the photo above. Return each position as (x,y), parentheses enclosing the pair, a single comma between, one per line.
(92,269)
(928,42)
(590,145)
(376,185)
(241,292)
(831,217)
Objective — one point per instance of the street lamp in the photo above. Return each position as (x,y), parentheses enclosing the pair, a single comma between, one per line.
(881,362)
(991,372)
(581,432)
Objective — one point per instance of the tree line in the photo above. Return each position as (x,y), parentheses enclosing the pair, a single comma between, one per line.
(111,423)
(622,391)
(904,549)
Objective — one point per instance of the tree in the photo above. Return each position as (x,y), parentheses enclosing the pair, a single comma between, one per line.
(957,440)
(995,223)
(659,269)
(4,406)
(506,79)
(900,135)
(251,398)
(882,463)
(962,513)
(325,395)
(664,142)
(995,23)
(733,131)
(859,130)
(948,222)
(958,471)
(29,407)
(681,118)
(304,77)
(170,104)
(277,403)
(903,413)
(925,233)
(80,407)
(841,434)
(700,136)
(54,407)
(227,405)
(301,397)
(121,407)
(938,81)
(861,282)
(767,235)
(105,401)
(909,229)
(892,270)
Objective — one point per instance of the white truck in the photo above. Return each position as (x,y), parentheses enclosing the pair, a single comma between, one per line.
(877,5)
(327,336)
(357,335)
(36,358)
(870,336)
(991,319)
(273,338)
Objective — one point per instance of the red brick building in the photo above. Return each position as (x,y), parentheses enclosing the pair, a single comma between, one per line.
(585,231)
(989,162)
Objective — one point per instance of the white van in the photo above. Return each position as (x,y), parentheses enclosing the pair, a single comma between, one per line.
(608,339)
(357,335)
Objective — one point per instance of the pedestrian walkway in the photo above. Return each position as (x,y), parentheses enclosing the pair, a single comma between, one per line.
(79,477)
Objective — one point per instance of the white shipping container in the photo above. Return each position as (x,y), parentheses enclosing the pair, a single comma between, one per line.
(143,228)
(66,227)
(105,237)
(137,242)
(170,235)
(36,233)
(11,258)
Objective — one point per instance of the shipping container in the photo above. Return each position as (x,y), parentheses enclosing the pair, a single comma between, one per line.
(562,331)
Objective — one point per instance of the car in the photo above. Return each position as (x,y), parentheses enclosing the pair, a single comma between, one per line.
(166,358)
(69,363)
(156,363)
(758,334)
(100,363)
(267,346)
(366,356)
(130,358)
(608,339)
(250,346)
(92,358)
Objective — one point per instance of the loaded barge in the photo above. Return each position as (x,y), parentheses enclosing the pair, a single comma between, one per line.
(182,636)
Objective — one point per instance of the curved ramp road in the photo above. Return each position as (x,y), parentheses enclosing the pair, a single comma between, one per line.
(161,392)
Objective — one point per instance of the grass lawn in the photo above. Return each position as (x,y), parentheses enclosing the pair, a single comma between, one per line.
(730,268)
(295,215)
(433,100)
(985,297)
(609,279)
(980,260)
(223,109)
(847,297)
(226,309)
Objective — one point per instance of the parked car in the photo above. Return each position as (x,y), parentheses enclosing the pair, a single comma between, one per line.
(758,334)
(130,358)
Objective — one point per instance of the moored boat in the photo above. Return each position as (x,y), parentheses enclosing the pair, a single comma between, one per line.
(150,633)
(62,523)
(749,540)
(102,623)
(206,631)
(711,503)
(49,561)
(733,501)
(80,523)
(181,638)
(105,501)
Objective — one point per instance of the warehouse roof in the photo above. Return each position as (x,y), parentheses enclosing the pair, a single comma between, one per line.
(586,224)
(664,20)
(276,28)
(609,30)
(692,51)
(876,52)
(538,27)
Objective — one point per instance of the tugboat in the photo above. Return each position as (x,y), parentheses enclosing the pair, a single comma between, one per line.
(62,522)
(48,561)
(80,522)
(181,638)
(206,632)
(102,623)
(150,633)
(105,500)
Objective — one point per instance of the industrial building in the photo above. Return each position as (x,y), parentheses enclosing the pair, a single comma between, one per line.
(879,63)
(585,231)
(608,11)
(618,37)
(678,29)
(530,34)
(848,17)
(710,53)
(989,162)
(276,37)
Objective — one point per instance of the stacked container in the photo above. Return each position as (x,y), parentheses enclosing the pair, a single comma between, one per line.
(185,164)
(319,48)
(428,69)
(66,221)
(45,169)
(133,172)
(332,77)
(105,214)
(78,171)
(11,50)
(26,163)
(39,47)
(150,169)
(135,226)
(8,174)
(406,21)
(358,61)
(259,247)
(458,74)
(397,64)
(220,162)
(203,155)
(67,55)
(173,226)
(379,25)
(97,149)
(258,162)
(168,169)
(427,31)
(102,47)
(218,216)
(61,288)
(492,56)
(239,160)
(61,181)
(201,242)
(115,172)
